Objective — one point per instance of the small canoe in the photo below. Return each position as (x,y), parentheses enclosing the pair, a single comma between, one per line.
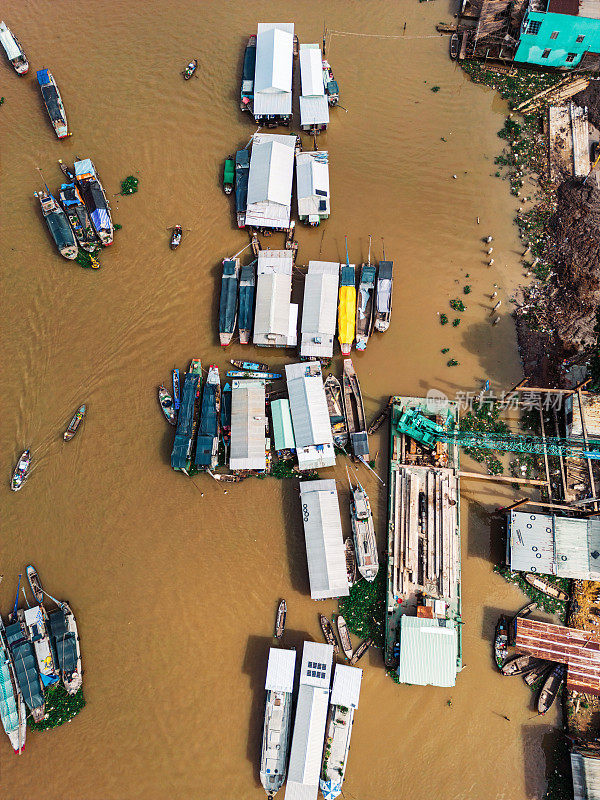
(176,393)
(519,665)
(69,174)
(21,471)
(75,423)
(501,641)
(280,619)
(166,403)
(454,46)
(328,633)
(537,672)
(380,418)
(176,237)
(550,689)
(35,583)
(229,175)
(190,69)
(350,561)
(546,587)
(361,650)
(344,635)
(265,376)
(253,366)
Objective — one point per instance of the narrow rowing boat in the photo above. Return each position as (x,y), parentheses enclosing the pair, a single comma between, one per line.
(176,237)
(328,633)
(361,650)
(75,423)
(519,664)
(550,689)
(253,366)
(344,635)
(166,403)
(35,583)
(265,376)
(335,407)
(501,641)
(355,412)
(190,69)
(21,471)
(545,586)
(350,556)
(380,418)
(280,620)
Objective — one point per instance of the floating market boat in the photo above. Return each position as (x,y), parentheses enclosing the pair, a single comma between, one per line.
(229,175)
(361,650)
(53,102)
(365,544)
(328,633)
(176,237)
(380,418)
(26,671)
(190,69)
(194,369)
(512,627)
(65,643)
(247,90)
(95,199)
(337,420)
(519,665)
(344,700)
(501,641)
(550,689)
(331,86)
(21,471)
(350,556)
(14,51)
(176,393)
(68,173)
(228,305)
(207,442)
(34,622)
(74,207)
(279,684)
(75,423)
(226,413)
(242,173)
(365,303)
(13,713)
(454,42)
(537,673)
(35,584)
(344,635)
(265,376)
(347,306)
(545,586)
(58,225)
(166,403)
(280,620)
(251,366)
(246,312)
(383,297)
(355,412)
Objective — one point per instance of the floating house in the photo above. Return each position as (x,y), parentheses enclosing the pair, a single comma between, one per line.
(344,702)
(323,537)
(319,309)
(276,318)
(283,431)
(312,186)
(185,422)
(273,73)
(549,545)
(310,415)
(309,725)
(248,426)
(269,199)
(314,108)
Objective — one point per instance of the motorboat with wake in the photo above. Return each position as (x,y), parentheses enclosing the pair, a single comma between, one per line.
(21,471)
(75,423)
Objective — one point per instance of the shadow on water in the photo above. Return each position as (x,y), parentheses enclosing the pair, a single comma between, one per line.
(481,539)
(553,746)
(481,339)
(294,536)
(166,445)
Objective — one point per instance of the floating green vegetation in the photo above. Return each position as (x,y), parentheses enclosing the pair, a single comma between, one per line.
(443,319)
(455,323)
(452,363)
(60,708)
(467,289)
(88,260)
(445,349)
(549,604)
(129,185)
(435,88)
(484,418)
(457,305)
(284,469)
(364,608)
(117,227)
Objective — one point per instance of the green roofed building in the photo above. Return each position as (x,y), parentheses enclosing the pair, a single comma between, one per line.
(283,431)
(428,651)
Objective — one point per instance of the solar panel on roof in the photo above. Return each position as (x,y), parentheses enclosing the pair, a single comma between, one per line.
(321,192)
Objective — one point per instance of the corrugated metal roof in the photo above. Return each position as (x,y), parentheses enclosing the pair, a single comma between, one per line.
(314,111)
(270,181)
(346,686)
(311,70)
(428,651)
(323,537)
(283,431)
(585,768)
(273,71)
(273,291)
(280,670)
(308,404)
(248,422)
(319,309)
(312,183)
(316,658)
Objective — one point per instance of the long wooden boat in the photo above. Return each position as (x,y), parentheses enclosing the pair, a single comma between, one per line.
(190,69)
(501,641)
(454,42)
(344,635)
(246,311)
(242,174)
(58,225)
(350,556)
(228,306)
(72,204)
(166,403)
(335,407)
(252,366)
(53,102)
(14,51)
(545,586)
(363,530)
(347,307)
(361,650)
(383,297)
(176,237)
(27,675)
(13,713)
(248,69)
(280,620)
(64,637)
(227,477)
(226,414)
(35,624)
(265,376)
(229,175)
(207,441)
(365,304)
(512,626)
(95,199)
(355,412)
(21,471)
(380,418)
(35,584)
(537,672)
(328,633)
(550,689)
(75,423)
(519,665)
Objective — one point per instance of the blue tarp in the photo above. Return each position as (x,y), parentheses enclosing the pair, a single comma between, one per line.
(101,219)
(42,76)
(185,419)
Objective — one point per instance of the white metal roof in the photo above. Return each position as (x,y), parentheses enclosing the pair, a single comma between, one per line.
(270,181)
(248,422)
(273,70)
(312,183)
(319,309)
(346,686)
(33,616)
(311,70)
(280,670)
(308,404)
(273,292)
(8,43)
(317,659)
(323,538)
(314,111)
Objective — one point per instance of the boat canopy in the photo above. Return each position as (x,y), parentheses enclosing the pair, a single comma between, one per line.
(60,229)
(319,309)
(9,713)
(270,181)
(273,70)
(52,101)
(208,428)
(242,169)
(8,43)
(226,406)
(229,290)
(68,195)
(384,286)
(43,77)
(25,663)
(249,68)
(185,418)
(247,291)
(84,169)
(63,641)
(283,431)
(360,444)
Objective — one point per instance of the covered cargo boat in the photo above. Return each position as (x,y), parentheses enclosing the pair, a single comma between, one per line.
(53,102)
(229,300)
(365,305)
(74,208)
(183,435)
(207,442)
(13,713)
(95,199)
(246,305)
(248,69)
(383,300)
(58,225)
(65,645)
(26,670)
(242,173)
(14,51)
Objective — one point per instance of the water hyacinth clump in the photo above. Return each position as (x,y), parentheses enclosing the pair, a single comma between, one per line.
(60,708)
(129,185)
(364,608)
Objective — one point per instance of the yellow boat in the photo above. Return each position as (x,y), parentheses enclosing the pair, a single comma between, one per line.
(347,308)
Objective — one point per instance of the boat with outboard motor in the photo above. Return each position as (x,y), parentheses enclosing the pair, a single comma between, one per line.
(228,304)
(331,85)
(166,403)
(35,583)
(363,530)
(190,69)
(64,638)
(335,407)
(14,51)
(355,412)
(246,305)
(13,713)
(21,471)
(249,366)
(53,102)
(95,199)
(328,633)
(72,204)
(75,423)
(58,225)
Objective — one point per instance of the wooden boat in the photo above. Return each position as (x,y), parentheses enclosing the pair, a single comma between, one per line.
(35,623)
(226,414)
(53,102)
(252,366)
(361,650)
(248,69)
(14,51)
(355,412)
(246,306)
(550,689)
(328,633)
(445,27)
(72,204)
(227,477)
(176,392)
(383,297)
(512,627)
(190,69)
(242,174)
(13,713)
(330,84)
(280,620)
(228,306)
(75,423)
(380,418)
(207,441)
(58,225)
(69,174)
(344,635)
(35,584)
(545,586)
(95,199)
(166,403)
(64,637)
(519,665)
(265,376)
(365,303)
(21,471)
(501,641)
(537,672)
(335,407)
(454,43)
(347,306)
(229,175)
(363,530)
(176,237)
(350,556)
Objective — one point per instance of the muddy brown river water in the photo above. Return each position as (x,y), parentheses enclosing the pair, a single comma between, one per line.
(175,582)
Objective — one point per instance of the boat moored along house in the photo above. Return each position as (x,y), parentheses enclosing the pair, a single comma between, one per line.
(279,685)
(309,726)
(273,74)
(323,537)
(310,415)
(344,701)
(319,309)
(185,422)
(276,318)
(312,186)
(314,107)
(283,431)
(248,426)
(269,200)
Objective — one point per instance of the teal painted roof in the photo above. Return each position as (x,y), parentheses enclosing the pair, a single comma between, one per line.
(428,651)
(283,432)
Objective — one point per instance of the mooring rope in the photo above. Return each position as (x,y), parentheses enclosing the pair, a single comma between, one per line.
(383,35)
